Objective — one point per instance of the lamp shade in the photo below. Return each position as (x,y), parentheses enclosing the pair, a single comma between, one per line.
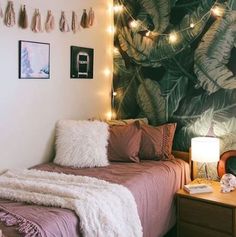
(205,149)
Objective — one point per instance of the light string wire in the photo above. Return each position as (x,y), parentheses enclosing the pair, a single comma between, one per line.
(140,23)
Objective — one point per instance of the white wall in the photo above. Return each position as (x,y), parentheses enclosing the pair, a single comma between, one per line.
(29,109)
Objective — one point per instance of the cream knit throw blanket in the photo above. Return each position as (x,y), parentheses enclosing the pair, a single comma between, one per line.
(104,209)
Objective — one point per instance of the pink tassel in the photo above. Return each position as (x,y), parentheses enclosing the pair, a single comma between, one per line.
(91,17)
(74,24)
(10,17)
(50,22)
(84,19)
(63,25)
(23,18)
(1,11)
(36,22)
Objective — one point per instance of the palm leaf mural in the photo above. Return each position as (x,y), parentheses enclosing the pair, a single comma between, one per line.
(221,104)
(126,86)
(213,54)
(187,82)
(200,127)
(149,51)
(159,11)
(151,102)
(226,130)
(173,89)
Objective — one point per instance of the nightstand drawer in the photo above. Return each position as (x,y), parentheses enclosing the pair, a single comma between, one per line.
(206,215)
(187,230)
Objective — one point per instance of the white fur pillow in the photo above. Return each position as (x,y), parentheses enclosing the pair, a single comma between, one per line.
(81,143)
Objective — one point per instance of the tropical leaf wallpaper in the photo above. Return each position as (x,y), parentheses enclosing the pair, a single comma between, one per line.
(177,63)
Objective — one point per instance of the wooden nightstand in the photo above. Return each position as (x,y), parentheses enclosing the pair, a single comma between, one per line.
(207,214)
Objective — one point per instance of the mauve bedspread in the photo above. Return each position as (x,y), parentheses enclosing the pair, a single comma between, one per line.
(152,183)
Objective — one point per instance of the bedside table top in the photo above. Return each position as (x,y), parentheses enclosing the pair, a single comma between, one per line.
(227,199)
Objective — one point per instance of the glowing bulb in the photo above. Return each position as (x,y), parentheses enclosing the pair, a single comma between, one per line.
(115,51)
(133,24)
(173,37)
(192,25)
(111,29)
(109,115)
(117,8)
(107,72)
(217,11)
(148,33)
(114,93)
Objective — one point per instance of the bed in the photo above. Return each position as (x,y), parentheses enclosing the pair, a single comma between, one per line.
(152,183)
(128,189)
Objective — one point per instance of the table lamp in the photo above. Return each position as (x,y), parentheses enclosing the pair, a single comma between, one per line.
(205,150)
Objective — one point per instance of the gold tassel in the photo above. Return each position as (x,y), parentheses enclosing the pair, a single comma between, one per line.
(63,24)
(1,11)
(36,22)
(50,22)
(74,24)
(91,17)
(10,17)
(84,19)
(23,18)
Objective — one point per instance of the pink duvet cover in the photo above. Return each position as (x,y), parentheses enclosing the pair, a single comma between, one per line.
(152,183)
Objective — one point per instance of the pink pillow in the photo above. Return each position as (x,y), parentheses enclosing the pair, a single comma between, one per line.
(156,142)
(124,142)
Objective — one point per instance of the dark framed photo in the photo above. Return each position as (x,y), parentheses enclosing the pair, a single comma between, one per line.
(81,65)
(34,60)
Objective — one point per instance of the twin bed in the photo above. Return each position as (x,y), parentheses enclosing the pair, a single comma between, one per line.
(153,185)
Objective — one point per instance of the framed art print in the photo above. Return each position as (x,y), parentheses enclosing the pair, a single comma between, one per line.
(81,65)
(34,60)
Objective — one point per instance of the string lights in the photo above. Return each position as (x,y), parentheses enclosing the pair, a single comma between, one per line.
(217,10)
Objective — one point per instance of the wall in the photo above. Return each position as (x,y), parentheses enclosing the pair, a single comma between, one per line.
(189,79)
(29,109)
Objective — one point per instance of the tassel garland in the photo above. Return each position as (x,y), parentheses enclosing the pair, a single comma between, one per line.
(74,24)
(91,17)
(36,22)
(63,25)
(23,18)
(87,19)
(84,19)
(50,22)
(1,11)
(10,17)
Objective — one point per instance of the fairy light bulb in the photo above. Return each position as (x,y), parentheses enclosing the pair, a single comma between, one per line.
(111,29)
(109,115)
(173,37)
(114,93)
(192,25)
(107,72)
(217,11)
(118,8)
(115,51)
(133,24)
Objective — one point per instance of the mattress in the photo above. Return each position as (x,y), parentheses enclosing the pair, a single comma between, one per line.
(152,183)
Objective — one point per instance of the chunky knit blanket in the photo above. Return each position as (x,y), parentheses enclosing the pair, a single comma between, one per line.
(104,209)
